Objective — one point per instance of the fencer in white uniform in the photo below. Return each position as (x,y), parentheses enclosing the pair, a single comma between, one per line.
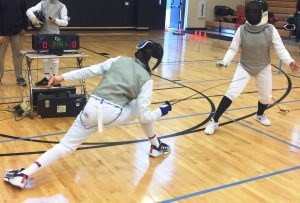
(255,39)
(55,15)
(123,94)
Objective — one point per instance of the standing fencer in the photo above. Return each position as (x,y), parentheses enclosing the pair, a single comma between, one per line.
(123,94)
(55,15)
(255,39)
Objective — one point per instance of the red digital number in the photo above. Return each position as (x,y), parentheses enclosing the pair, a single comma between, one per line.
(44,45)
(74,44)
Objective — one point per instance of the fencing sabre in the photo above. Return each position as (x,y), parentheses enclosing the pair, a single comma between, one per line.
(207,90)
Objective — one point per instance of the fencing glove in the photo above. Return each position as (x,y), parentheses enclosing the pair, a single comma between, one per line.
(165,108)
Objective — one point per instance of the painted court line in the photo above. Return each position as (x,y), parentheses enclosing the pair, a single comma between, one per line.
(261,132)
(135,123)
(231,185)
(243,181)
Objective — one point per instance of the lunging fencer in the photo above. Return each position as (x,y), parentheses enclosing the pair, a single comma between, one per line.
(255,39)
(123,95)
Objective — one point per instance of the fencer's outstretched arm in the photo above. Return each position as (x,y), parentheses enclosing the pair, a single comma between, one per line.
(233,49)
(92,71)
(145,115)
(87,72)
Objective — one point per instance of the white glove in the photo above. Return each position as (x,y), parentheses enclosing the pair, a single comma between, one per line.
(34,20)
(221,64)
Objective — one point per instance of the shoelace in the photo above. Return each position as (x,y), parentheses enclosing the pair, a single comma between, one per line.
(163,146)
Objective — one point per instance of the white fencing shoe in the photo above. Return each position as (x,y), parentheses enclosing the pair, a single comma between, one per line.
(263,120)
(16,177)
(162,149)
(210,128)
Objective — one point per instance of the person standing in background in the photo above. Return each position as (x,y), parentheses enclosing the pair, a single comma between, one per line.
(255,38)
(13,22)
(296,21)
(56,15)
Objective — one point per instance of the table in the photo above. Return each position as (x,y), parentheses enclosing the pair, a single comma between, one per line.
(34,55)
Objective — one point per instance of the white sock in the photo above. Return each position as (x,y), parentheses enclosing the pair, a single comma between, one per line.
(149,131)
(154,141)
(50,156)
(55,63)
(47,75)
(47,68)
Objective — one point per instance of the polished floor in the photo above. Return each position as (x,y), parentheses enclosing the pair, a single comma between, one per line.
(242,162)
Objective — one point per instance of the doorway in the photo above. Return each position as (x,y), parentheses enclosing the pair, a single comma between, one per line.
(175,14)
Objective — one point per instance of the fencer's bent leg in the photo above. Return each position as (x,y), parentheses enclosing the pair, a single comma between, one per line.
(224,104)
(54,65)
(47,68)
(129,113)
(238,84)
(264,85)
(264,88)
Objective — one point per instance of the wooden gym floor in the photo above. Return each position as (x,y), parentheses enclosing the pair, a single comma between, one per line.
(242,162)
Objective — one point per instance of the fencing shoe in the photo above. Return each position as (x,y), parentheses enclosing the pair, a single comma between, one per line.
(21,82)
(289,27)
(263,120)
(163,148)
(42,82)
(16,177)
(210,128)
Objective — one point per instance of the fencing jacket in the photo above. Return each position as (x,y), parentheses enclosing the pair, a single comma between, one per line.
(252,68)
(55,10)
(124,79)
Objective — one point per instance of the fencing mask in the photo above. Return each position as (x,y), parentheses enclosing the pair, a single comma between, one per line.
(256,12)
(147,49)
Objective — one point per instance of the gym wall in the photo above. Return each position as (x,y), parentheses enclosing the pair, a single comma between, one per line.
(192,11)
(114,14)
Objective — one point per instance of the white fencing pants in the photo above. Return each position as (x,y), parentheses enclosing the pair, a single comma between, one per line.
(263,82)
(51,63)
(86,122)
(85,125)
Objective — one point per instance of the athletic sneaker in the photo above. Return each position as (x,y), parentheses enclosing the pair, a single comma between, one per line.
(21,82)
(263,120)
(16,177)
(210,128)
(162,149)
(42,82)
